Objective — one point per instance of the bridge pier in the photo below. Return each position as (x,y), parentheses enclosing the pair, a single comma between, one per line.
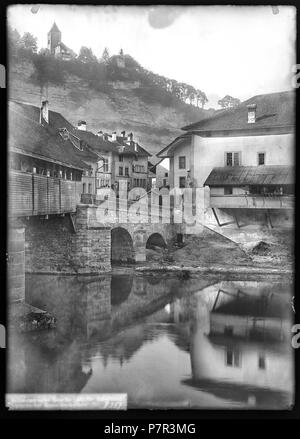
(92,249)
(139,244)
(16,262)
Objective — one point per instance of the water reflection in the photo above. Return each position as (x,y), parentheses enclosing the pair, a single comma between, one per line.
(163,340)
(242,352)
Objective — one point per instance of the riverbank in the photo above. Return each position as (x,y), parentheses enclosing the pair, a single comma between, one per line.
(211,252)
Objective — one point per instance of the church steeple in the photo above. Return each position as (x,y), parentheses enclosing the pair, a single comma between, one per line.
(54,38)
(54,28)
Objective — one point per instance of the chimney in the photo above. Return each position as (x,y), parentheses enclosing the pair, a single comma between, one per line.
(135,146)
(123,133)
(81,125)
(44,115)
(114,136)
(129,137)
(100,133)
(251,113)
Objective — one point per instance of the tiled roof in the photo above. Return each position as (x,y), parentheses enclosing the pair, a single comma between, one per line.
(28,136)
(253,175)
(168,150)
(129,149)
(273,110)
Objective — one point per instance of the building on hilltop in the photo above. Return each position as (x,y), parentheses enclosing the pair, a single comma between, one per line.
(56,47)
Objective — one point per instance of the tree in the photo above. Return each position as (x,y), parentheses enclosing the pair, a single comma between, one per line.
(29,42)
(86,55)
(229,102)
(13,39)
(201,97)
(105,56)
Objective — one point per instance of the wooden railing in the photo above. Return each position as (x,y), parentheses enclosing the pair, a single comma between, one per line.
(34,194)
(251,201)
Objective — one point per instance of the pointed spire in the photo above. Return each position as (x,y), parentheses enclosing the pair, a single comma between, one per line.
(54,28)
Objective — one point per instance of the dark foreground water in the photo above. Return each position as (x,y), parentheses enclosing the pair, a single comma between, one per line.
(202,342)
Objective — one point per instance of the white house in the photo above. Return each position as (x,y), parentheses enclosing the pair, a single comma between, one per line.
(245,156)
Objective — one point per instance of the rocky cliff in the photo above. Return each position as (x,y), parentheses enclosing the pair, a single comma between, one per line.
(154,125)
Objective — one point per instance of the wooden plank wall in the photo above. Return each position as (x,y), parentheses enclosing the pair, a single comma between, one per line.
(20,194)
(33,194)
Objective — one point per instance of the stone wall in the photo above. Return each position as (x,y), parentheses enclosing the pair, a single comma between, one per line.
(53,246)
(49,245)
(16,262)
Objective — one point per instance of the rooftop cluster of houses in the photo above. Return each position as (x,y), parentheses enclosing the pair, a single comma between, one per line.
(243,156)
(45,143)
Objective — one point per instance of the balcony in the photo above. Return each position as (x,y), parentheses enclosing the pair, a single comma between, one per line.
(252,201)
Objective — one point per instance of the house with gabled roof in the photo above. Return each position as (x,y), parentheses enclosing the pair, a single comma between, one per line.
(243,157)
(130,160)
(51,145)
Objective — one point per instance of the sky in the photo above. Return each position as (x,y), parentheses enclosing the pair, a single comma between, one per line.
(237,50)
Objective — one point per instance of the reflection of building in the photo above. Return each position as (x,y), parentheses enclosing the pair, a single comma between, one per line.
(243,357)
(265,316)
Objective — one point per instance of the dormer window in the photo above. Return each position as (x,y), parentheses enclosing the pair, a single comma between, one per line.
(78,143)
(251,113)
(64,133)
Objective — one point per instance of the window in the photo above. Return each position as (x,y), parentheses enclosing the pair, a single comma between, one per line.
(120,170)
(83,188)
(232,358)
(261,158)
(164,182)
(227,190)
(233,158)
(90,188)
(181,181)
(182,162)
(121,158)
(139,168)
(228,330)
(105,165)
(166,174)
(261,362)
(127,172)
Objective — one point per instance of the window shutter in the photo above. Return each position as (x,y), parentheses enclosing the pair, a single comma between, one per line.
(236,159)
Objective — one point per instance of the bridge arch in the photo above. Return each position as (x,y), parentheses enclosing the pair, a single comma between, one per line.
(122,249)
(121,286)
(156,240)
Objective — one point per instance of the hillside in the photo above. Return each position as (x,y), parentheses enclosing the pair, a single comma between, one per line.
(128,101)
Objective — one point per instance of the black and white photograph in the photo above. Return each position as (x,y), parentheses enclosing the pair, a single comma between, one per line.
(151,207)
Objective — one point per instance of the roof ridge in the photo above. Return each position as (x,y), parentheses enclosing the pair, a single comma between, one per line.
(242,104)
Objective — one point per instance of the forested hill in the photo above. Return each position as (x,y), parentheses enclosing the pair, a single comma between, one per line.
(112,94)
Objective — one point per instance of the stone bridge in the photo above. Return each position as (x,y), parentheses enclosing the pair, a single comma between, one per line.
(78,243)
(128,240)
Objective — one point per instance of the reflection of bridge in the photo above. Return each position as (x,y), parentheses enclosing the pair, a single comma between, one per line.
(62,235)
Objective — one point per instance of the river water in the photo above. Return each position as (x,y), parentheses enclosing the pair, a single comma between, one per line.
(202,342)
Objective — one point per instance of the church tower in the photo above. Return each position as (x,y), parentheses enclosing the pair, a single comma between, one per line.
(54,38)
